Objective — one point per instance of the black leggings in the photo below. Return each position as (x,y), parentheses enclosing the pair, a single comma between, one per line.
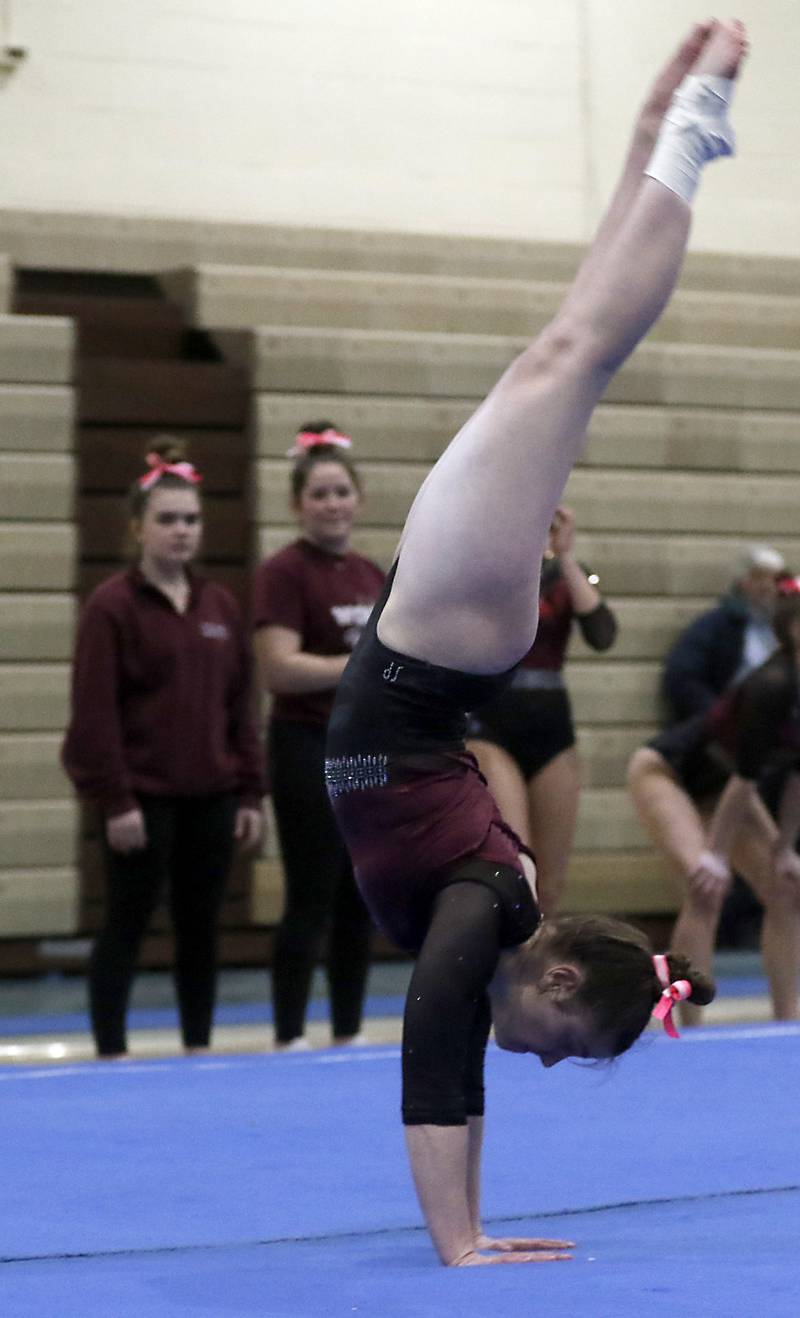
(321,894)
(189,848)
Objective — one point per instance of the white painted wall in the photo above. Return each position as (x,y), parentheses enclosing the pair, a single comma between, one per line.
(501,117)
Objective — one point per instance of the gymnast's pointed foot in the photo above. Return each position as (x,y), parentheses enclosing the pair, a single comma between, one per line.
(723,51)
(696,127)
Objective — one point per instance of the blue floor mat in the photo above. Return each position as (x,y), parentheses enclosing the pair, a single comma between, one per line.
(277,1186)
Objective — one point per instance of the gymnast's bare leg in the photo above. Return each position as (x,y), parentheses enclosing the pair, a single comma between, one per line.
(467,580)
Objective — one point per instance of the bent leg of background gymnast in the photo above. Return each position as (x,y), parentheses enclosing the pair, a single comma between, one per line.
(466,585)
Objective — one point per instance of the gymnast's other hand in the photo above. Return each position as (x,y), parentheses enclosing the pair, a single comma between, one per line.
(127,832)
(787,866)
(248,827)
(711,876)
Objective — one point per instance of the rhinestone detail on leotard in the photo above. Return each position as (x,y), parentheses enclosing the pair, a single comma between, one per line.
(355,773)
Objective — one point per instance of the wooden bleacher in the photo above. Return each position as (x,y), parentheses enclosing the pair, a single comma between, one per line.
(38,817)
(695,451)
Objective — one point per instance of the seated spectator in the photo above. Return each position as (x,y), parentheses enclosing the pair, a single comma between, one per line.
(720,647)
(728,641)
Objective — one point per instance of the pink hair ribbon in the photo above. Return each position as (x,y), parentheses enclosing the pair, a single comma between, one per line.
(673,991)
(158,468)
(308,439)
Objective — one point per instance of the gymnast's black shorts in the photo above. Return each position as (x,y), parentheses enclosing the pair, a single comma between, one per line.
(531,726)
(697,761)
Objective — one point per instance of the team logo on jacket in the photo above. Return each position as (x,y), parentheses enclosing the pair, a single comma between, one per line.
(352,618)
(215,631)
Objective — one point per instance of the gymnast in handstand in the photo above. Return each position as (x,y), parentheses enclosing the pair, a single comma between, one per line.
(441,872)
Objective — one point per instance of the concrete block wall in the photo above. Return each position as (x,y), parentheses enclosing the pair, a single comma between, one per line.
(38,816)
(495,117)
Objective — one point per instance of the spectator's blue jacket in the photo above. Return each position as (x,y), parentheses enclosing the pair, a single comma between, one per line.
(705,658)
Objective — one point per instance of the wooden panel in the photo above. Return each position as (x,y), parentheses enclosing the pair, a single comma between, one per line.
(718,439)
(754,507)
(607,822)
(621,883)
(37,557)
(239,297)
(646,627)
(36,349)
(79,241)
(108,326)
(36,626)
(605,751)
(38,833)
(418,430)
(37,487)
(414,429)
(37,418)
(267,892)
(635,565)
(163,394)
(348,361)
(30,767)
(467,365)
(669,565)
(608,692)
(33,697)
(38,902)
(5,285)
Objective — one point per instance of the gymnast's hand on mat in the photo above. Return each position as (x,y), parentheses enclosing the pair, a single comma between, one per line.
(127,832)
(514,1244)
(515,1251)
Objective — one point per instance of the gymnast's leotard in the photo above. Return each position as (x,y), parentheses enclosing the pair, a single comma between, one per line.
(436,864)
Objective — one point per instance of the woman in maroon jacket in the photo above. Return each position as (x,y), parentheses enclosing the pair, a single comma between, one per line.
(524,739)
(163,740)
(311,602)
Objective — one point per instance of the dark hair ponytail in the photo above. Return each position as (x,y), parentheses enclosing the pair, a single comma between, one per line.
(620,985)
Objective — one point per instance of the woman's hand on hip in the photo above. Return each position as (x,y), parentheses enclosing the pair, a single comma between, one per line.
(248,827)
(127,832)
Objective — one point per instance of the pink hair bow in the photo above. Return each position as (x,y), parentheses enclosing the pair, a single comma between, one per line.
(308,439)
(158,468)
(673,991)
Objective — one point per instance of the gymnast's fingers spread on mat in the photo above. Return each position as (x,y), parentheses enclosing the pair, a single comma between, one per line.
(473,1259)
(508,1245)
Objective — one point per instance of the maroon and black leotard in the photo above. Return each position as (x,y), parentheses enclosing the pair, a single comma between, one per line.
(436,864)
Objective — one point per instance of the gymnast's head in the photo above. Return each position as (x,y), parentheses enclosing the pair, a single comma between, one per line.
(584,987)
(326,487)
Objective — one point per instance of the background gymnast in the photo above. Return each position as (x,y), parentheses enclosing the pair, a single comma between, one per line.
(440,870)
(754,728)
(524,739)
